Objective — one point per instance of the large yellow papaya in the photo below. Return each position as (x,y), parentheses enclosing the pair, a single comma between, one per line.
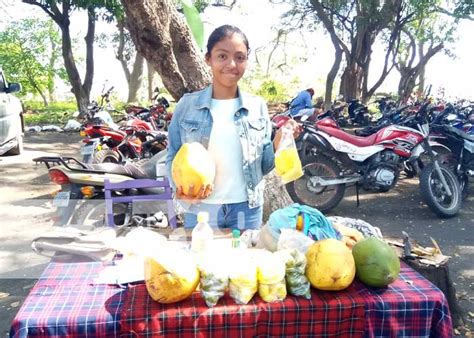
(170,278)
(330,265)
(193,166)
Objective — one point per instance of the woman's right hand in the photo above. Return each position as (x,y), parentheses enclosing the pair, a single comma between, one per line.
(203,193)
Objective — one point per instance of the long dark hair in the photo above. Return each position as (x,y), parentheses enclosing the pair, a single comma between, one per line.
(222,32)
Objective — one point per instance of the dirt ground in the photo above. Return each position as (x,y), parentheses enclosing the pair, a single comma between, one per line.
(26,211)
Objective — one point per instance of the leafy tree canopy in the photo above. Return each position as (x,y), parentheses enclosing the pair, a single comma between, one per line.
(26,51)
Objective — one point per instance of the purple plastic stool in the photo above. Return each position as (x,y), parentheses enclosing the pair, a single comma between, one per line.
(138,183)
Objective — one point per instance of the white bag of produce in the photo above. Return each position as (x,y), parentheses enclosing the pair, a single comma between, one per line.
(242,277)
(271,277)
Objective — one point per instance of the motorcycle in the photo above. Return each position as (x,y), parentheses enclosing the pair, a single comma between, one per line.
(460,157)
(80,200)
(156,114)
(134,141)
(358,113)
(332,159)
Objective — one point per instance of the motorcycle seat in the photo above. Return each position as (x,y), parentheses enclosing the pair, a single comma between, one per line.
(359,141)
(460,133)
(127,169)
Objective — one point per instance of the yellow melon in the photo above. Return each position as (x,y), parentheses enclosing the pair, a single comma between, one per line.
(330,265)
(169,278)
(193,166)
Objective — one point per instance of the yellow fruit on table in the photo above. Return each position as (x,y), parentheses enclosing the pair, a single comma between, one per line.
(170,279)
(193,166)
(330,265)
(300,223)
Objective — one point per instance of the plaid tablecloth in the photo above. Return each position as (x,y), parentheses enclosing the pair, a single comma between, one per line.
(64,302)
(331,315)
(409,307)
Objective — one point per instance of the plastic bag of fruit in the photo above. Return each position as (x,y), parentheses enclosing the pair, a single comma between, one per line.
(271,277)
(242,278)
(296,282)
(214,281)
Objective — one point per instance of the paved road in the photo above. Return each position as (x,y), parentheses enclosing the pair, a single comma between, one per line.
(26,211)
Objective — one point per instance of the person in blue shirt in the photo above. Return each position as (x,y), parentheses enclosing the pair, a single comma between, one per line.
(236,130)
(302,105)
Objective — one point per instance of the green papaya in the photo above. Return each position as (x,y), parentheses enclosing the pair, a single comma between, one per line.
(377,263)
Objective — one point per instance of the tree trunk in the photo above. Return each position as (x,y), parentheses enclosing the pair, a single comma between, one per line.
(409,75)
(51,75)
(421,75)
(150,79)
(80,91)
(120,50)
(275,195)
(351,82)
(331,77)
(164,39)
(136,78)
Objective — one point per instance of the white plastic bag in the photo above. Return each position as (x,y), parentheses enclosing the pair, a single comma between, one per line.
(294,239)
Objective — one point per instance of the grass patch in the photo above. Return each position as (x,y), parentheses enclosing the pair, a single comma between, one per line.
(55,113)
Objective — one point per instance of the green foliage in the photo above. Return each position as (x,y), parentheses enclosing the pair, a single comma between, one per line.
(56,113)
(273,91)
(194,22)
(26,52)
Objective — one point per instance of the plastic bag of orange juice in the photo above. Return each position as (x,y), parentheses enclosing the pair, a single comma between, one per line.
(287,162)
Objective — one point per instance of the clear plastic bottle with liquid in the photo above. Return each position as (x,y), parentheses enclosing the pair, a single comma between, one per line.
(202,234)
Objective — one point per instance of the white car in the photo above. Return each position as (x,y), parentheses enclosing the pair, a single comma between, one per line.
(11,118)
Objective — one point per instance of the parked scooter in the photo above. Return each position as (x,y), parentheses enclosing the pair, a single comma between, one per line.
(80,182)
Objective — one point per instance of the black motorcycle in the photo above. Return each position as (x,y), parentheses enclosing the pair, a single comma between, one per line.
(460,158)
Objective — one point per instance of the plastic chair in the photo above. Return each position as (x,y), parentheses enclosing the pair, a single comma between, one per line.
(138,183)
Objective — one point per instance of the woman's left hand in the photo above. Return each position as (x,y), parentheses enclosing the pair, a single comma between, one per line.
(294,126)
(291,124)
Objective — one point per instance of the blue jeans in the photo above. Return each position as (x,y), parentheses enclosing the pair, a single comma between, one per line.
(233,216)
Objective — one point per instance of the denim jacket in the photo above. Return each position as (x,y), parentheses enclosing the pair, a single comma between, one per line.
(192,122)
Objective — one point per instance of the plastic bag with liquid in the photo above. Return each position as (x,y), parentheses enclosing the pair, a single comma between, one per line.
(287,162)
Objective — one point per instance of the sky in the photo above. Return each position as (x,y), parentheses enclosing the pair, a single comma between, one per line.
(312,61)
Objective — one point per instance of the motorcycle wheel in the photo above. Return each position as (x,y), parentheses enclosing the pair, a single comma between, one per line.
(323,198)
(434,194)
(449,160)
(91,213)
(106,156)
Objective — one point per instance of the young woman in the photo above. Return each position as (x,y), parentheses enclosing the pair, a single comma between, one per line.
(235,128)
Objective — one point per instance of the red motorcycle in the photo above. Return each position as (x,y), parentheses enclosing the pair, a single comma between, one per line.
(157,114)
(118,145)
(332,159)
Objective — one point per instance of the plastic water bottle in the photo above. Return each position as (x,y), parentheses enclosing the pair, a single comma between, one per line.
(235,238)
(202,234)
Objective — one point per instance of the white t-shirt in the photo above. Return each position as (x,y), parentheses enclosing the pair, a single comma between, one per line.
(226,149)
